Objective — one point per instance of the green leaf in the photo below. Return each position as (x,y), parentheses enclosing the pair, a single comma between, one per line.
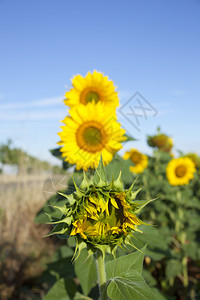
(85,269)
(128,287)
(173,268)
(142,204)
(149,278)
(117,164)
(156,238)
(56,152)
(71,241)
(118,267)
(79,296)
(129,138)
(62,267)
(48,208)
(160,295)
(63,289)
(62,252)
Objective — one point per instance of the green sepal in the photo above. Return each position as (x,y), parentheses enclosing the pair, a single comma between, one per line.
(80,245)
(129,138)
(86,183)
(63,209)
(56,230)
(67,220)
(129,191)
(130,194)
(70,199)
(101,183)
(100,173)
(142,205)
(113,249)
(91,250)
(79,192)
(103,249)
(128,241)
(48,216)
(118,184)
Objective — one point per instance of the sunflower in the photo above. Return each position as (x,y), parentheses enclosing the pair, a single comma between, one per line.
(102,220)
(161,141)
(180,171)
(100,214)
(140,160)
(91,131)
(94,87)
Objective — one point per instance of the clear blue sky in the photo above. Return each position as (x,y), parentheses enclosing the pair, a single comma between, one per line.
(148,46)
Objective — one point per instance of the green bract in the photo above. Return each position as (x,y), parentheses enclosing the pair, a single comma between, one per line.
(100,214)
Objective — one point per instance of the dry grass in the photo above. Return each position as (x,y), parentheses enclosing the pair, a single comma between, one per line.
(22,246)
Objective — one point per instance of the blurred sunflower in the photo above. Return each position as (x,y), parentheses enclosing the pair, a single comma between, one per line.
(180,171)
(168,146)
(91,131)
(195,158)
(161,141)
(139,159)
(93,87)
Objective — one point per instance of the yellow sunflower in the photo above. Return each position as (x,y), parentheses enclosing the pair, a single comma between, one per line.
(93,87)
(140,160)
(91,131)
(180,171)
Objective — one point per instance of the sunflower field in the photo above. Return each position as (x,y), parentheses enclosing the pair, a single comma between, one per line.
(129,223)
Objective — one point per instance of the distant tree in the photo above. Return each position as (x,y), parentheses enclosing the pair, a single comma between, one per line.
(25,162)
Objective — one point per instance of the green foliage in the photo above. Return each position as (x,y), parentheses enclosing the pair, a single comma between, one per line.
(172,241)
(58,154)
(125,281)
(85,269)
(124,277)
(129,286)
(63,289)
(16,156)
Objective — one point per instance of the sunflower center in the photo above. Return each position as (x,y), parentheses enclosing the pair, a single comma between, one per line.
(89,96)
(136,158)
(180,171)
(91,136)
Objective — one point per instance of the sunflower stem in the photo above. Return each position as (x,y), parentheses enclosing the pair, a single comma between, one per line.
(182,237)
(101,274)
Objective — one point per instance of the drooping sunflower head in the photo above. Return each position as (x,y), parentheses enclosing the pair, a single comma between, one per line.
(160,141)
(180,171)
(100,214)
(90,131)
(139,160)
(93,87)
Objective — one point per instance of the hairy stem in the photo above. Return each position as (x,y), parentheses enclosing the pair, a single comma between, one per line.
(101,274)
(182,237)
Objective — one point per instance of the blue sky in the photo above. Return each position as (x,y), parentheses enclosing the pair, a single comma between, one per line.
(147,46)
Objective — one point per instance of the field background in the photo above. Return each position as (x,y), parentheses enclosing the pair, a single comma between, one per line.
(24,251)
